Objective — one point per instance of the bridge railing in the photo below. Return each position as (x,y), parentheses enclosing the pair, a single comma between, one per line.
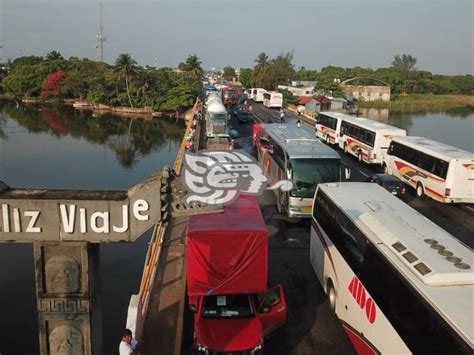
(182,148)
(308,117)
(139,303)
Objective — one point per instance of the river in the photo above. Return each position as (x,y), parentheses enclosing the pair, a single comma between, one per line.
(61,148)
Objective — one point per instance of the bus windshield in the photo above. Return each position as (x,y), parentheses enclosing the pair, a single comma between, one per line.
(308,173)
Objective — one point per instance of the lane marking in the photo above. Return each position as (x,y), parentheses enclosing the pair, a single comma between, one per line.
(363,173)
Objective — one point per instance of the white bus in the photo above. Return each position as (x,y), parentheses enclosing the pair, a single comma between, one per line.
(433,169)
(292,153)
(366,139)
(399,283)
(328,126)
(273,99)
(257,94)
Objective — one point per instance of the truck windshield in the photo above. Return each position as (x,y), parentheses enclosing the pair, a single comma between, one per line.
(308,173)
(227,306)
(218,116)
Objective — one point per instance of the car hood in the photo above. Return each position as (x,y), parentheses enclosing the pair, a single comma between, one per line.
(229,334)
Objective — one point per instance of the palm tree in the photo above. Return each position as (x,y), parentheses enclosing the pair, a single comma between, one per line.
(146,80)
(193,65)
(262,62)
(54,55)
(126,67)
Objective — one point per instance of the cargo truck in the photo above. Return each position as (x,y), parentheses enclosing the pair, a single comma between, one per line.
(226,266)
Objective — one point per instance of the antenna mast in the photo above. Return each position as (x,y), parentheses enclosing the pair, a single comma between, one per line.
(101,37)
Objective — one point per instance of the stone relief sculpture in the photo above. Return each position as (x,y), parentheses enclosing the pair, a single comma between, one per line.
(66,340)
(62,275)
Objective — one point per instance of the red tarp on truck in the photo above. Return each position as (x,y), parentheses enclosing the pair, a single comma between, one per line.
(227,253)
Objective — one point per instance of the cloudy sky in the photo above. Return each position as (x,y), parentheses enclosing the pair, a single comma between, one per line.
(345,33)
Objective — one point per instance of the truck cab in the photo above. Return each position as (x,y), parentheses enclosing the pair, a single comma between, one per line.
(237,322)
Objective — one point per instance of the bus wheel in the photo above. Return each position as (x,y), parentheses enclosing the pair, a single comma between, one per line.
(385,169)
(359,157)
(345,148)
(331,295)
(328,141)
(420,191)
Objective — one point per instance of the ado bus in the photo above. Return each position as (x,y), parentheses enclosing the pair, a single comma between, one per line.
(273,99)
(434,169)
(399,283)
(291,153)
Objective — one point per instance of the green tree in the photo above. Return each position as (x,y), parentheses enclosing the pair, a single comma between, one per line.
(262,63)
(404,63)
(192,66)
(126,67)
(229,73)
(54,55)
(245,77)
(27,60)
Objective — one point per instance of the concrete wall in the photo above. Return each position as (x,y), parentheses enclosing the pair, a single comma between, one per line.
(368,92)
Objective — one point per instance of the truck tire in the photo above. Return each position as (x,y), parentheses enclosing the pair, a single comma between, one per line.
(385,168)
(328,140)
(360,157)
(346,150)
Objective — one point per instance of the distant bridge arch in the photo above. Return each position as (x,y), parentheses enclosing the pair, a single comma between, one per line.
(365,78)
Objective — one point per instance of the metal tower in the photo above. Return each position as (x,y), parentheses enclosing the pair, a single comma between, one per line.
(101,37)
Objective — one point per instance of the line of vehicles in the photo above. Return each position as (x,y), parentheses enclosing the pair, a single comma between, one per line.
(270,99)
(397,281)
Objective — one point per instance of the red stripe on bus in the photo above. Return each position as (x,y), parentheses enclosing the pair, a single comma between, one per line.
(360,344)
(441,197)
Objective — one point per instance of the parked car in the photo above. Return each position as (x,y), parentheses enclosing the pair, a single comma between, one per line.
(244,116)
(389,182)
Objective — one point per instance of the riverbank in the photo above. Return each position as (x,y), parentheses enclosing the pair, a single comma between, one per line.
(422,102)
(100,109)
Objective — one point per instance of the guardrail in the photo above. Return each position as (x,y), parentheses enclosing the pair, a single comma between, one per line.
(307,117)
(138,306)
(178,163)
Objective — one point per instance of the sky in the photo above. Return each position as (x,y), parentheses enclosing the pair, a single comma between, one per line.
(348,33)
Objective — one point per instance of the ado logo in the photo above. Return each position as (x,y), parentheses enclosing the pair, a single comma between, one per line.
(360,295)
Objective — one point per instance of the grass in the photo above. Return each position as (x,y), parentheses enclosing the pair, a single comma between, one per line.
(421,102)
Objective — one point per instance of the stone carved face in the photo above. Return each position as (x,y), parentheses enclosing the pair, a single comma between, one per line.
(66,340)
(62,275)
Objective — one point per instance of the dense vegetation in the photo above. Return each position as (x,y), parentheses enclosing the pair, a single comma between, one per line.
(402,76)
(123,84)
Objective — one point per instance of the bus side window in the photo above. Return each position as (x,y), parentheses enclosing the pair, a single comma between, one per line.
(390,149)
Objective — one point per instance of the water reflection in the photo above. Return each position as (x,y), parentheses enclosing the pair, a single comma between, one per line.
(454,127)
(129,138)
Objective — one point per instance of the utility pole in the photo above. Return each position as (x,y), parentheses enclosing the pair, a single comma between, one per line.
(101,37)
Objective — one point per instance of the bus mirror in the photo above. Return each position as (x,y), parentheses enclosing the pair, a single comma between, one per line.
(347,173)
